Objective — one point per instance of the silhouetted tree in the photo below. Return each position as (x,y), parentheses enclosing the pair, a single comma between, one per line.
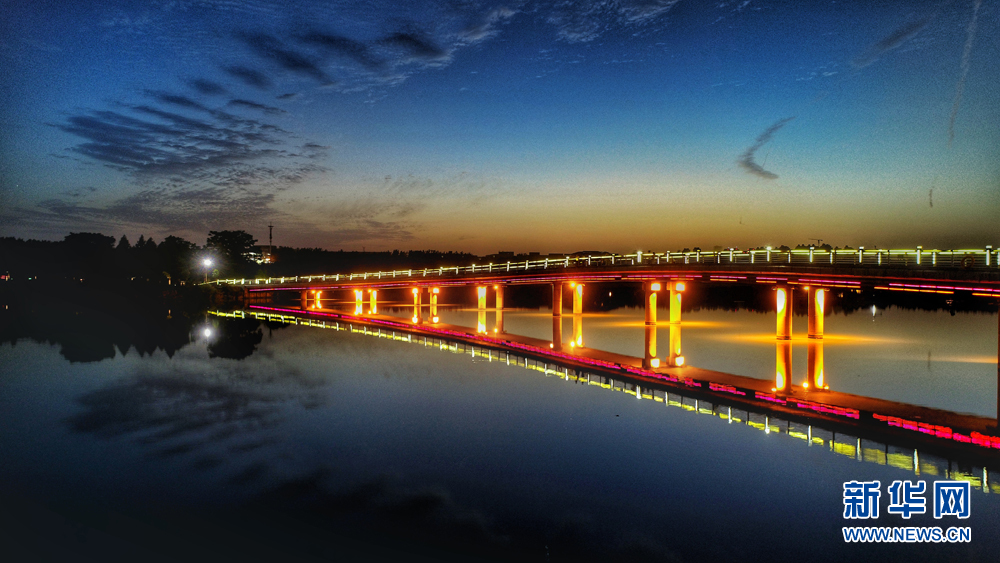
(232,248)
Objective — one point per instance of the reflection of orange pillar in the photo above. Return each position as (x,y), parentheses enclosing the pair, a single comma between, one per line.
(817,307)
(499,327)
(649,359)
(577,330)
(675,301)
(319,295)
(815,365)
(650,301)
(481,321)
(557,332)
(675,359)
(358,301)
(304,298)
(784,304)
(783,366)
(373,302)
(577,298)
(557,289)
(499,290)
(481,291)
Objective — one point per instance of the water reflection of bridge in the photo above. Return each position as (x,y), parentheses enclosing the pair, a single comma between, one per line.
(902,443)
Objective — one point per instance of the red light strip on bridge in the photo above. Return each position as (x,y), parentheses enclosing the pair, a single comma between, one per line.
(937,431)
(847,282)
(828,409)
(727,278)
(725,389)
(913,290)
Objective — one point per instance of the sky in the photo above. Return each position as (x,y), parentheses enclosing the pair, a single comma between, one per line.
(602,125)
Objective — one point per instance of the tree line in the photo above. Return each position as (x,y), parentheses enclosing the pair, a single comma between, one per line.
(88,257)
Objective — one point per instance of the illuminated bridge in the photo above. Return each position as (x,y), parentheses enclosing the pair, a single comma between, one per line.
(970,273)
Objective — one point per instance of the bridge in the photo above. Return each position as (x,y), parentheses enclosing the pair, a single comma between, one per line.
(971,273)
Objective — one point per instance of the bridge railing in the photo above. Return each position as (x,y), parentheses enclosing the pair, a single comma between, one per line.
(968,259)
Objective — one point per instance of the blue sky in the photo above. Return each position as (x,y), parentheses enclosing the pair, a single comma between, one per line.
(525,126)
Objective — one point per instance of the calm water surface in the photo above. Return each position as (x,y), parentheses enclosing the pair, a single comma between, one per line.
(323,444)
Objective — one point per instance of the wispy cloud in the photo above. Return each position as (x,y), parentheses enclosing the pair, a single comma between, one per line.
(970,32)
(585,20)
(897,38)
(747,158)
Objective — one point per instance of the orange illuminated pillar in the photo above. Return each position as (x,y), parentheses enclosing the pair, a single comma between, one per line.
(359,300)
(434,304)
(318,303)
(373,301)
(815,365)
(557,290)
(417,317)
(817,306)
(649,359)
(481,291)
(577,298)
(784,306)
(675,301)
(650,301)
(557,332)
(675,359)
(499,290)
(304,300)
(783,366)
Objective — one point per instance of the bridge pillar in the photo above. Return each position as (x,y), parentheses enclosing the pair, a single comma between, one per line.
(817,306)
(784,307)
(499,290)
(649,359)
(417,296)
(318,304)
(577,298)
(650,288)
(783,366)
(359,300)
(557,331)
(676,287)
(815,365)
(481,292)
(434,304)
(557,291)
(304,298)
(373,301)
(675,359)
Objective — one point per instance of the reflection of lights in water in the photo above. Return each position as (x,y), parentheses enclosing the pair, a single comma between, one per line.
(873,310)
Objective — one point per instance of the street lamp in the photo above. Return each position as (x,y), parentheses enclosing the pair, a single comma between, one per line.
(207,262)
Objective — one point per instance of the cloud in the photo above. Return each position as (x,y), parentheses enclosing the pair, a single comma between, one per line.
(355,51)
(254,105)
(747,158)
(970,36)
(207,87)
(415,46)
(270,48)
(898,37)
(579,21)
(249,76)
